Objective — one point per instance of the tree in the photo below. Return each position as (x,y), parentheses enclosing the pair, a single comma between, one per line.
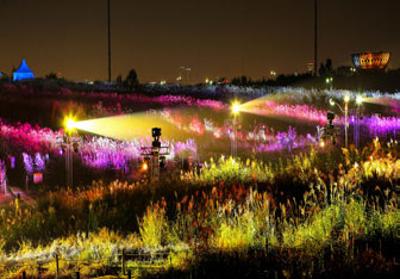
(322,69)
(241,81)
(328,65)
(327,68)
(132,80)
(119,80)
(52,75)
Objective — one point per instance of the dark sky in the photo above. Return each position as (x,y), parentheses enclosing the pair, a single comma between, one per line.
(214,37)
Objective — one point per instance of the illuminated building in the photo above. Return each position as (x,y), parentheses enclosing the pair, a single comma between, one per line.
(371,60)
(23,72)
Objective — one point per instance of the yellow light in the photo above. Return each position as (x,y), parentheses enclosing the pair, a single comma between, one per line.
(322,144)
(235,107)
(69,124)
(347,98)
(359,100)
(145,166)
(331,102)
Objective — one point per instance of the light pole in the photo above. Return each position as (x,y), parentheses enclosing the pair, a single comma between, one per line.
(235,110)
(69,144)
(345,111)
(359,101)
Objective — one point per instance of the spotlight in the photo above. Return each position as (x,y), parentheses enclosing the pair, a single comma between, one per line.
(331,102)
(235,107)
(156,132)
(330,116)
(145,166)
(359,100)
(347,98)
(69,124)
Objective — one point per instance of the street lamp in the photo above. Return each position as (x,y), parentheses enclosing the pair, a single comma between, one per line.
(345,111)
(359,102)
(69,124)
(69,144)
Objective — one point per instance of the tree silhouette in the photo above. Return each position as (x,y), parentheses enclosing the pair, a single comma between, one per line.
(119,80)
(327,68)
(132,80)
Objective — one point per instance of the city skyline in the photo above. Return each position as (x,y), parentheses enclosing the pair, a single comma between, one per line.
(213,38)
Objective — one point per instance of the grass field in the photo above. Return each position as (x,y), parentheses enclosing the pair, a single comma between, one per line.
(286,207)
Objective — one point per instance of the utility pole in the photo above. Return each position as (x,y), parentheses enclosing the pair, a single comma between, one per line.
(109,38)
(316,37)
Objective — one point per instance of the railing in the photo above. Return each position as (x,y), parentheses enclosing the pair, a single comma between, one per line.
(142,259)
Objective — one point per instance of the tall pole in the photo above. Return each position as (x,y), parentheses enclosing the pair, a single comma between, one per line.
(234,144)
(69,167)
(357,127)
(109,38)
(315,37)
(346,124)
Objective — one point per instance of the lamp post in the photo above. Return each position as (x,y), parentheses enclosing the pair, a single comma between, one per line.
(345,111)
(359,101)
(69,144)
(235,110)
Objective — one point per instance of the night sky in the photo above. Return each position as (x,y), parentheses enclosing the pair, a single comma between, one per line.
(214,37)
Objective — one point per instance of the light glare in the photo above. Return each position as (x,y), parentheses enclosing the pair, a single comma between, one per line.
(235,108)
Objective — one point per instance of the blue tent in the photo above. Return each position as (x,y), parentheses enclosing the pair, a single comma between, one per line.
(23,72)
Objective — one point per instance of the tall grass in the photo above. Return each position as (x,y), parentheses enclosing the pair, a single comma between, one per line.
(302,204)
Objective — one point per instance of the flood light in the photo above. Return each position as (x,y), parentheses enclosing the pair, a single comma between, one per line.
(145,166)
(69,124)
(359,100)
(235,107)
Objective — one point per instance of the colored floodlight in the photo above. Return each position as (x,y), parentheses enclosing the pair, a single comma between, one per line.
(69,124)
(235,107)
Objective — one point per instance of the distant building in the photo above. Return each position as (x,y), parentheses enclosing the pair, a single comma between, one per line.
(371,60)
(23,72)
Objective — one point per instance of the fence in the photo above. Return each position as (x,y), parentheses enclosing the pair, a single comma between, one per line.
(142,260)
